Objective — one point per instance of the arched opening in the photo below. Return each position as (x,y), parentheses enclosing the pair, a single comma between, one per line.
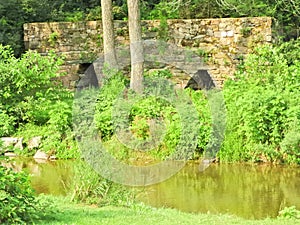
(201,80)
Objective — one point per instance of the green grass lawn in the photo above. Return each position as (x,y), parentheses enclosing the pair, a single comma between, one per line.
(69,214)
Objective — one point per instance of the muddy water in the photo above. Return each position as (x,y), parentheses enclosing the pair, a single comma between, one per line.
(245,190)
(249,191)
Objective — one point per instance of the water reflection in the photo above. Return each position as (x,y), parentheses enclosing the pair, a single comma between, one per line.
(248,191)
(49,177)
(245,190)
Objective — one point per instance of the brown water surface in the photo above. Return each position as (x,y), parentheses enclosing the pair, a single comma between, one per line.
(249,191)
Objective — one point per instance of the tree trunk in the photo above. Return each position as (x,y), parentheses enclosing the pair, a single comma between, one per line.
(136,46)
(108,34)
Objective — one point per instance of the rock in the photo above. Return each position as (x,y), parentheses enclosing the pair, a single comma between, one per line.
(204,164)
(13,141)
(53,157)
(19,144)
(34,142)
(40,155)
(10,154)
(9,141)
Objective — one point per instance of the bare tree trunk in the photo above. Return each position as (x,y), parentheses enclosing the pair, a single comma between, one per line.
(136,46)
(108,34)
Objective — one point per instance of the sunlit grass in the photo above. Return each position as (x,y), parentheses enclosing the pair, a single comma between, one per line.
(141,214)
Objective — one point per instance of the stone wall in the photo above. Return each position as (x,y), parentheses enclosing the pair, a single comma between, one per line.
(220,42)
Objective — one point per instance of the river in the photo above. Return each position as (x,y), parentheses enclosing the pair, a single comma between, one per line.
(245,190)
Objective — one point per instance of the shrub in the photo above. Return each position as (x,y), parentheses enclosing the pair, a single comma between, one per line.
(17,201)
(27,90)
(6,124)
(34,103)
(150,111)
(262,107)
(107,97)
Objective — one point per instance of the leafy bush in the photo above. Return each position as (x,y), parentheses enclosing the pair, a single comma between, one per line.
(6,124)
(107,97)
(18,204)
(34,103)
(262,109)
(147,114)
(27,90)
(291,51)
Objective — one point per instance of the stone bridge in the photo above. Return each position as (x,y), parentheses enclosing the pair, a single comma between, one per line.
(189,46)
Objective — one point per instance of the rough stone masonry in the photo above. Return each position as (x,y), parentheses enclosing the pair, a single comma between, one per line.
(221,43)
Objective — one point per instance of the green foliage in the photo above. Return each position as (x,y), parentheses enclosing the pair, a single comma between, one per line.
(33,103)
(149,114)
(88,186)
(205,55)
(246,31)
(289,213)
(107,96)
(140,214)
(11,22)
(262,109)
(6,124)
(53,38)
(290,145)
(27,92)
(18,204)
(149,111)
(165,73)
(162,10)
(291,51)
(199,9)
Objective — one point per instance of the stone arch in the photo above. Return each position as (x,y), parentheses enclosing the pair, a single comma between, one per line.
(157,54)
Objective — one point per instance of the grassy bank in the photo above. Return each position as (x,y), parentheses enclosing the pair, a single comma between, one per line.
(68,213)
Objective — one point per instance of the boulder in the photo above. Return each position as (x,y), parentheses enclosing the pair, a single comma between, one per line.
(10,154)
(40,155)
(34,142)
(13,141)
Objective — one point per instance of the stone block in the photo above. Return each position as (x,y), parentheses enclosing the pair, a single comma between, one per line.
(230,33)
(217,34)
(269,38)
(223,34)
(222,25)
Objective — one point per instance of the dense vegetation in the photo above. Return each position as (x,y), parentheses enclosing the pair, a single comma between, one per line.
(33,103)
(263,111)
(18,202)
(151,117)
(262,121)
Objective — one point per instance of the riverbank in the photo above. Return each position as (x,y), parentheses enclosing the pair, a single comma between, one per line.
(68,213)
